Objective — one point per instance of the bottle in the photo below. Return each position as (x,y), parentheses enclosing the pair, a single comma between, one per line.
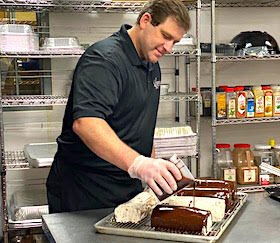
(276,100)
(250,102)
(268,102)
(259,101)
(221,105)
(231,102)
(226,169)
(240,101)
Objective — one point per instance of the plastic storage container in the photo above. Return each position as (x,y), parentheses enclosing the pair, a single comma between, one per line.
(243,159)
(226,169)
(61,43)
(276,151)
(18,38)
(264,154)
(231,102)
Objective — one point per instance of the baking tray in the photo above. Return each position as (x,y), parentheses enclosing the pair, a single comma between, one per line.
(108,225)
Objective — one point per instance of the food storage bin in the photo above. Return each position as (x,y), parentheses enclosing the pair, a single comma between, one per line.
(18,38)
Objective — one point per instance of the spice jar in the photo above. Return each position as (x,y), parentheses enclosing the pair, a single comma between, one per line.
(226,169)
(243,159)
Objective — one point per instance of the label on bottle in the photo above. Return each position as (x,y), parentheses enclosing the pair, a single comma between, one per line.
(231,108)
(259,104)
(268,104)
(276,106)
(241,104)
(249,176)
(250,107)
(230,174)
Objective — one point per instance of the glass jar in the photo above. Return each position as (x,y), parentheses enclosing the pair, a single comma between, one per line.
(226,169)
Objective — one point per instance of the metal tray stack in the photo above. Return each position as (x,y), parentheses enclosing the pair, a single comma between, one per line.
(108,225)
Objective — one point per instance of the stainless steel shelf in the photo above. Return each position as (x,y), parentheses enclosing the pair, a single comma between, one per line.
(243,3)
(220,58)
(247,58)
(246,120)
(254,188)
(180,96)
(78,5)
(44,54)
(32,100)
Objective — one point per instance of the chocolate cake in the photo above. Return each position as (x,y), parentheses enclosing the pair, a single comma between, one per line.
(191,220)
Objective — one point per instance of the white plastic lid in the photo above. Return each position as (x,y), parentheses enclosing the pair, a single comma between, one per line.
(262,146)
(257,87)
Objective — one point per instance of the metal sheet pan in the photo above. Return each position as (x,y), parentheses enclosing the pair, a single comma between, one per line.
(108,225)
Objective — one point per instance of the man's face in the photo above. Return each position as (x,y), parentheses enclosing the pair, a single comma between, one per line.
(155,41)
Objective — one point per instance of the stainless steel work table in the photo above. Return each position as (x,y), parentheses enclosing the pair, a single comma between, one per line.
(258,221)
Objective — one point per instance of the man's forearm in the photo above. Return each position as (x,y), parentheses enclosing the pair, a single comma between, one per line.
(103,141)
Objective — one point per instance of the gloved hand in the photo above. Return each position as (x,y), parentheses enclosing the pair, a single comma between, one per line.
(156,172)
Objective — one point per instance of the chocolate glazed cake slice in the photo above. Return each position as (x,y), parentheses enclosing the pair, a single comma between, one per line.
(191,220)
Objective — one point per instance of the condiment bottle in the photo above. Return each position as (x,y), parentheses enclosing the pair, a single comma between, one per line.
(240,101)
(231,102)
(276,100)
(268,102)
(221,105)
(250,102)
(226,169)
(259,101)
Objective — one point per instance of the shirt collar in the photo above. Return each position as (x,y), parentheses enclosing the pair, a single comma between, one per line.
(130,50)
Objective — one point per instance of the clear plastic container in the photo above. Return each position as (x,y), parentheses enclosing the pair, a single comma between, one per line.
(18,38)
(276,151)
(264,154)
(51,43)
(243,159)
(226,169)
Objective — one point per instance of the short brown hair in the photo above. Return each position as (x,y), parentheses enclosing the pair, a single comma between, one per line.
(161,9)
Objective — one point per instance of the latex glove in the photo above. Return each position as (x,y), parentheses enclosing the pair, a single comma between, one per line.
(157,173)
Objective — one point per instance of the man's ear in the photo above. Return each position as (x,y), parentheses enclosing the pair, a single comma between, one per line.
(145,20)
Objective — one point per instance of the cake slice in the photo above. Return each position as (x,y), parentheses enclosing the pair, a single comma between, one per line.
(216,206)
(189,219)
(136,209)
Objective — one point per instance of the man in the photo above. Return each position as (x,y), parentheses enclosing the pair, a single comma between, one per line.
(106,145)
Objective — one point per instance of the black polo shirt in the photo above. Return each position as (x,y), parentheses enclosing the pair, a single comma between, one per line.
(111,82)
